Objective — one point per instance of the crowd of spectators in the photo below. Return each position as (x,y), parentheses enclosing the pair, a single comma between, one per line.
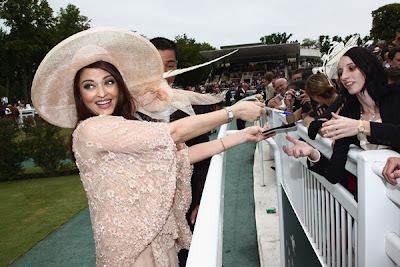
(312,97)
(355,108)
(11,109)
(307,96)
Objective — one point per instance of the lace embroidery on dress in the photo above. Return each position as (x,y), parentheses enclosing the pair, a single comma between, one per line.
(137,182)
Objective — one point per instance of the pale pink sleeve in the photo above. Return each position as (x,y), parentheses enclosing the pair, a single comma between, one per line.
(112,133)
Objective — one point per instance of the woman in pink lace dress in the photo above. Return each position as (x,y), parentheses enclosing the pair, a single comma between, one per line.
(136,174)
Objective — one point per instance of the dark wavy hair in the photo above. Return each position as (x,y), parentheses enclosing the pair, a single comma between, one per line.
(375,76)
(125,105)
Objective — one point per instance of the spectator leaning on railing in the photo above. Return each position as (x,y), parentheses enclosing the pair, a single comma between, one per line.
(280,89)
(297,101)
(368,118)
(324,94)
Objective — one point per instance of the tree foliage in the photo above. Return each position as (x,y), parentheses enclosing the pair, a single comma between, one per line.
(309,43)
(31,30)
(189,55)
(276,38)
(11,154)
(45,144)
(29,37)
(385,22)
(325,42)
(69,22)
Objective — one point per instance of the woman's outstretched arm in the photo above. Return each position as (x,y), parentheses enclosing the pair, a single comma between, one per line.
(205,150)
(192,126)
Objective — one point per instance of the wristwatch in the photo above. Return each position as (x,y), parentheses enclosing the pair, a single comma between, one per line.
(230,114)
(360,127)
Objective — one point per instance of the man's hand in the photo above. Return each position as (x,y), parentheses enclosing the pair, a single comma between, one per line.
(193,215)
(391,170)
(275,102)
(397,39)
(300,149)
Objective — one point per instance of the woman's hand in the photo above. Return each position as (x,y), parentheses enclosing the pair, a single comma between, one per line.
(339,127)
(391,170)
(248,111)
(320,110)
(304,98)
(300,149)
(253,134)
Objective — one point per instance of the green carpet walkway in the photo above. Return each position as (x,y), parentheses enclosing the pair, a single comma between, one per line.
(72,244)
(240,237)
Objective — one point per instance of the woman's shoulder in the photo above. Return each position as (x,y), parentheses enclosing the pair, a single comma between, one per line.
(97,122)
(114,124)
(112,120)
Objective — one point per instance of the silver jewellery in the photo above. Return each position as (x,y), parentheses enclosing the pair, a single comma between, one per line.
(373,113)
(230,114)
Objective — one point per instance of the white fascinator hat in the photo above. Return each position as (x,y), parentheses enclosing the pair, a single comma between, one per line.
(331,59)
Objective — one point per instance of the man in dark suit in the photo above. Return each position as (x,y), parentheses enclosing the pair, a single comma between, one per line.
(169,53)
(240,94)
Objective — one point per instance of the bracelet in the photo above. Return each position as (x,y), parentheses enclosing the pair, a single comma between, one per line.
(319,157)
(222,144)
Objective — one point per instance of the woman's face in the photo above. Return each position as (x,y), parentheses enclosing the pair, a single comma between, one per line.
(350,75)
(99,91)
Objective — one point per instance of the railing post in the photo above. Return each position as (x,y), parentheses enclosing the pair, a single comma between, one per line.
(206,245)
(378,215)
(278,169)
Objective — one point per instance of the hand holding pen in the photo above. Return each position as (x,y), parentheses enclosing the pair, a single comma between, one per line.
(279,111)
(274,109)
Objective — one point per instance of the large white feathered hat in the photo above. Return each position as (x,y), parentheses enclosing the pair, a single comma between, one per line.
(331,59)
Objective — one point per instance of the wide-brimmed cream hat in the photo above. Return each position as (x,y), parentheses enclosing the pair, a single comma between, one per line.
(135,57)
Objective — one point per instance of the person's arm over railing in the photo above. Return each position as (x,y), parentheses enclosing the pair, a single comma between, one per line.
(334,169)
(189,127)
(205,150)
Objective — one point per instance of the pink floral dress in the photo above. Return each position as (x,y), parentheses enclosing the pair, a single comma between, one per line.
(137,181)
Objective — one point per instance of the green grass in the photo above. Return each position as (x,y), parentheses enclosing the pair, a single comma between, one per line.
(67,167)
(33,170)
(32,209)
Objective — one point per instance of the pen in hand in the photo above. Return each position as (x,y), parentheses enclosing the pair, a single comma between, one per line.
(279,111)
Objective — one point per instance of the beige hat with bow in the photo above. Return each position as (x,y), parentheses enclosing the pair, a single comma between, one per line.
(134,56)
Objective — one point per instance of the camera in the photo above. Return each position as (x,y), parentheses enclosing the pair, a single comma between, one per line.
(296,86)
(297,92)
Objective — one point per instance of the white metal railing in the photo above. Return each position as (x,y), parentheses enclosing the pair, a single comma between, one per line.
(206,246)
(341,231)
